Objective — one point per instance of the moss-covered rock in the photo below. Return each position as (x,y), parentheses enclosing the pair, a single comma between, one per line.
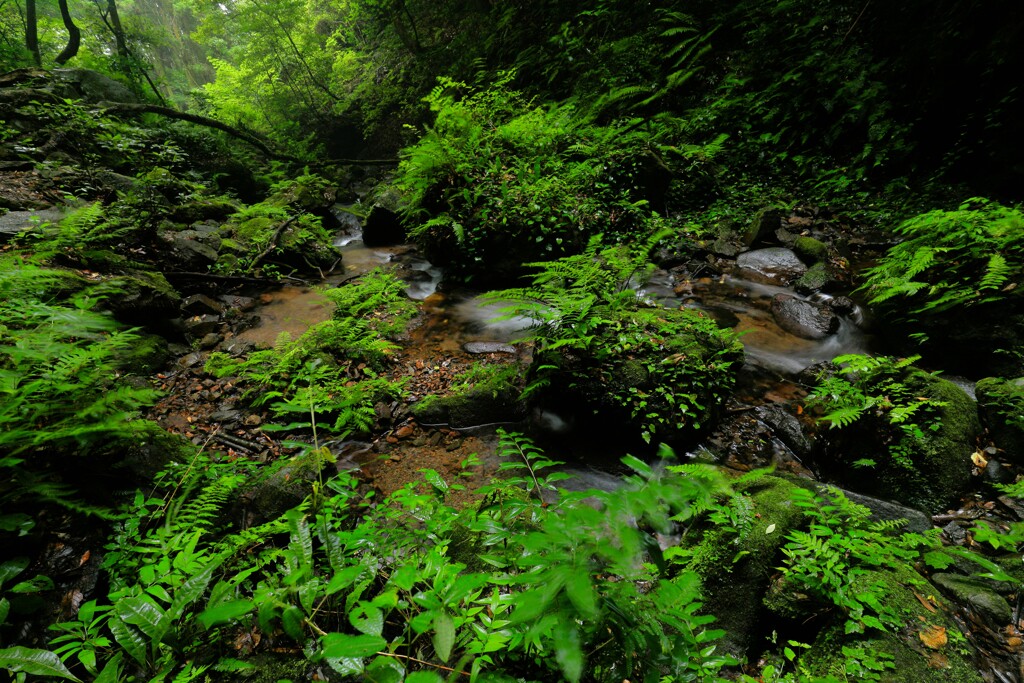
(925,650)
(809,249)
(140,297)
(925,468)
(737,572)
(487,394)
(1001,403)
(979,596)
(816,279)
(662,373)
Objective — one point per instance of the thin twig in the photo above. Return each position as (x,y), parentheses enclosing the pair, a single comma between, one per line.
(420,661)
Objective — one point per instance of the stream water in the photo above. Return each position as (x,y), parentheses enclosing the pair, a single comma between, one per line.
(452,319)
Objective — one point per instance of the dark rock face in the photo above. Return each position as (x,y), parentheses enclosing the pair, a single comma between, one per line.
(1001,403)
(786,428)
(927,472)
(470,409)
(805,319)
(93,86)
(383,225)
(774,265)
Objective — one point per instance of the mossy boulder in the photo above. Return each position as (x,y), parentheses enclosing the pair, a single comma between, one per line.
(736,573)
(1001,403)
(140,297)
(817,278)
(285,485)
(809,249)
(925,650)
(978,595)
(487,394)
(927,468)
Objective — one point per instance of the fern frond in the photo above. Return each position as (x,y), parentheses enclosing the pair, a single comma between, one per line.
(997,272)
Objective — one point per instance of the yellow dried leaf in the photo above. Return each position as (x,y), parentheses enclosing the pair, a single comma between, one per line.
(978,458)
(933,637)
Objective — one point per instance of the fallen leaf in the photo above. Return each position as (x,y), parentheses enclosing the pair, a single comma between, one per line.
(934,637)
(1014,642)
(978,458)
(937,660)
(924,602)
(770,529)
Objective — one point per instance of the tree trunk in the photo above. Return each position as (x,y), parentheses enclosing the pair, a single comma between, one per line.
(118,30)
(32,31)
(74,35)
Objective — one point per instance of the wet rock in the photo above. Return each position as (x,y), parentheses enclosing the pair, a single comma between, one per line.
(242,303)
(193,359)
(765,222)
(142,297)
(383,225)
(774,265)
(956,534)
(227,418)
(818,278)
(843,305)
(977,595)
(201,325)
(200,304)
(190,252)
(488,347)
(888,511)
(13,222)
(805,319)
(786,427)
(728,241)
(210,340)
(809,249)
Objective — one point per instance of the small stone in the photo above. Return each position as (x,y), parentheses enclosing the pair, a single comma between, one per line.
(955,533)
(488,347)
(210,340)
(435,438)
(192,359)
(404,432)
(200,304)
(391,439)
(253,420)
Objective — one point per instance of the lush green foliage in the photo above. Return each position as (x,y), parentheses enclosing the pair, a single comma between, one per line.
(497,180)
(508,586)
(60,366)
(328,376)
(951,261)
(876,385)
(664,370)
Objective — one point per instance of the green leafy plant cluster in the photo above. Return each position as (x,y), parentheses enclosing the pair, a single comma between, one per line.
(329,376)
(876,385)
(833,560)
(951,261)
(410,588)
(497,180)
(283,226)
(60,377)
(664,370)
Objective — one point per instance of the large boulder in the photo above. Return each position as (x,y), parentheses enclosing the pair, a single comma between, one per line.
(774,265)
(1001,403)
(802,318)
(92,86)
(927,467)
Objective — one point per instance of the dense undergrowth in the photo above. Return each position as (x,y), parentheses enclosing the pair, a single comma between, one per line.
(548,148)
